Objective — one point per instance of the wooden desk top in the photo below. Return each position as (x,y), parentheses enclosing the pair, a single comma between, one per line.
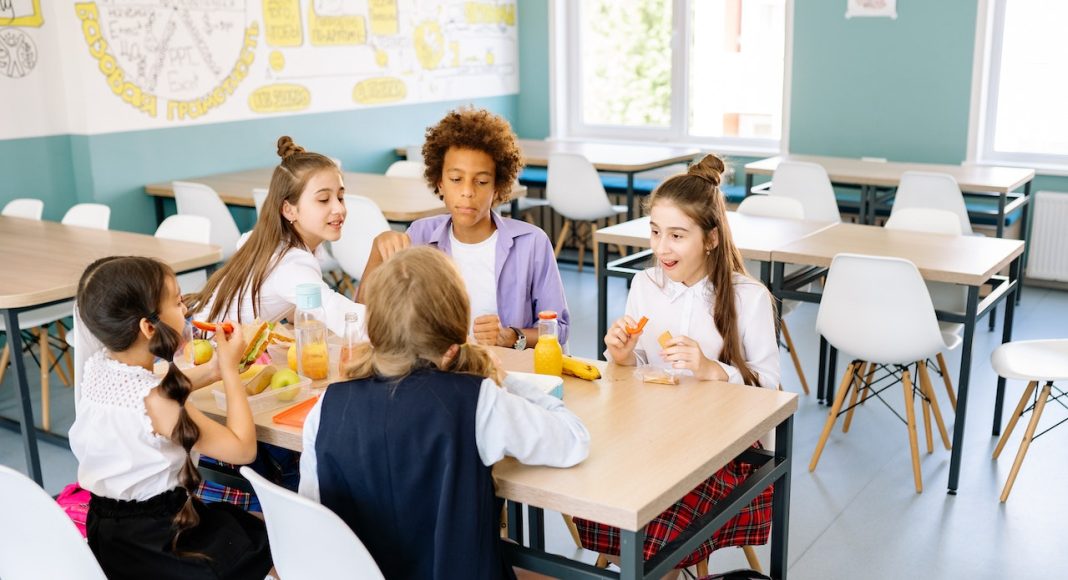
(44,260)
(974,178)
(401,199)
(650,444)
(610,157)
(969,260)
(755,236)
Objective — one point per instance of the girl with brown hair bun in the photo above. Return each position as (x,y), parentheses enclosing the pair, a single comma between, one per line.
(721,324)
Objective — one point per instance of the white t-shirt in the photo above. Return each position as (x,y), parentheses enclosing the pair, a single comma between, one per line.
(478,268)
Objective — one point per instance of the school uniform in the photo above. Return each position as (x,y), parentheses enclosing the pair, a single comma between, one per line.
(687,311)
(407,464)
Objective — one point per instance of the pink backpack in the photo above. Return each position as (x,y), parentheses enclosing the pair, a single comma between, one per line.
(75,501)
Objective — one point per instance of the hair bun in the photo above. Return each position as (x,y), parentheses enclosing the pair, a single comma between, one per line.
(287,147)
(710,168)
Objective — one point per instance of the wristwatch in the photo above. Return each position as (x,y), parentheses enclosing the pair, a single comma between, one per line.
(521,339)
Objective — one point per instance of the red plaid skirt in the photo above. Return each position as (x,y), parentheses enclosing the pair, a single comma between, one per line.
(750,527)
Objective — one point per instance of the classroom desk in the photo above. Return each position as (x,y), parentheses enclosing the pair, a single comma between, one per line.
(754,236)
(608,157)
(636,468)
(43,263)
(970,261)
(401,199)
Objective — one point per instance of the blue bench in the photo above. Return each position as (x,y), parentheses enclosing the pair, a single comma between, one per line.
(617,183)
(981,210)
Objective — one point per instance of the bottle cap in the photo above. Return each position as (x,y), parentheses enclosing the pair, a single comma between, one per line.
(309,296)
(547,315)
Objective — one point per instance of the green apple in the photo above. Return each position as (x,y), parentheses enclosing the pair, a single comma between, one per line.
(199,351)
(283,379)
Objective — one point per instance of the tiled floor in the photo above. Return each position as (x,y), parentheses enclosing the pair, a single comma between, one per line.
(857,516)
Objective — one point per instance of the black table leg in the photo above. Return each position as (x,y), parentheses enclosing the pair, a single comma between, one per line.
(631,560)
(1025,229)
(159,209)
(962,388)
(780,501)
(1006,336)
(29,431)
(630,196)
(602,299)
(821,380)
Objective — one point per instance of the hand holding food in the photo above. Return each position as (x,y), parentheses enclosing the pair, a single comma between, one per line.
(231,349)
(227,327)
(636,329)
(622,337)
(199,351)
(683,352)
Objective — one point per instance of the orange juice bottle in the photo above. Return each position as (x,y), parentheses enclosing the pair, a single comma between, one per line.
(548,356)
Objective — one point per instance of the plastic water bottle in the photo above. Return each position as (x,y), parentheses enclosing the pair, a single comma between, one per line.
(351,340)
(313,357)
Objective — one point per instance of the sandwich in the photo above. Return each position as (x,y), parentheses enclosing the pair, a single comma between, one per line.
(257,336)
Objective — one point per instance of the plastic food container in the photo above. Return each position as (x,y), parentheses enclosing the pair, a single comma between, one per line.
(547,383)
(269,398)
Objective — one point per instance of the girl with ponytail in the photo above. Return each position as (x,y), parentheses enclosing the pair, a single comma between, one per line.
(706,318)
(136,437)
(403,451)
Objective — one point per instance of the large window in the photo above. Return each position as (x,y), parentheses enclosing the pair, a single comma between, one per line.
(685,71)
(1022,116)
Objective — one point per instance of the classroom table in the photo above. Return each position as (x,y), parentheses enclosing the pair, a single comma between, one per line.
(43,263)
(401,199)
(970,261)
(626,158)
(636,467)
(754,236)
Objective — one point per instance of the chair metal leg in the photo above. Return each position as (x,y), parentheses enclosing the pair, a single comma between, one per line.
(942,368)
(925,383)
(832,415)
(793,355)
(910,413)
(854,386)
(1015,417)
(1040,404)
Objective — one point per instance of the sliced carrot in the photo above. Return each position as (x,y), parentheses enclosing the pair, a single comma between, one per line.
(209,327)
(638,328)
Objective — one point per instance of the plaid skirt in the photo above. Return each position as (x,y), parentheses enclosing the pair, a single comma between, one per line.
(750,527)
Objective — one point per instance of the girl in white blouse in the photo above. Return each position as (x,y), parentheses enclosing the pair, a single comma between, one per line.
(136,437)
(721,325)
(305,206)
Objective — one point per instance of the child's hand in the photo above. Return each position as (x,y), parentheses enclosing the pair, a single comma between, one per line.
(619,341)
(229,347)
(683,352)
(390,242)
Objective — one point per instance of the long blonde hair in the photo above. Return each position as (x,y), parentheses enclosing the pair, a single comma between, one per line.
(250,266)
(696,193)
(417,310)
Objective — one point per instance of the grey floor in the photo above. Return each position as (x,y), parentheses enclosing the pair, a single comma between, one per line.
(858,515)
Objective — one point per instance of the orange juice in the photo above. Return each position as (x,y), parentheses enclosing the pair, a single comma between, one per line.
(548,356)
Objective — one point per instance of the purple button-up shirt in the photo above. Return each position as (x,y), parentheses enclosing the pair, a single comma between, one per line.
(528,280)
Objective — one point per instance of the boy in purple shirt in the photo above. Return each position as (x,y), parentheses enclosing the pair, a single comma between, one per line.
(509,268)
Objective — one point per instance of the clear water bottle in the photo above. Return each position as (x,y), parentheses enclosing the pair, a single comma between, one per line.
(313,356)
(351,339)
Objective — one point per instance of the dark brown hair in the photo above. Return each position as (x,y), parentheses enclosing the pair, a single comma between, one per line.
(479,130)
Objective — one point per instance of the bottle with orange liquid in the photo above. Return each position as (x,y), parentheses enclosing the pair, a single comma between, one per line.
(313,358)
(548,356)
(351,339)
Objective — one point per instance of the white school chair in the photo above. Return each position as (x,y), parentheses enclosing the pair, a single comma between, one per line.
(575,191)
(187,228)
(932,190)
(353,249)
(414,153)
(413,169)
(809,184)
(88,215)
(24,207)
(199,199)
(307,539)
(37,538)
(259,195)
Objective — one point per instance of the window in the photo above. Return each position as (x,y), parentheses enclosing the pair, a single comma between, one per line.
(685,71)
(1021,117)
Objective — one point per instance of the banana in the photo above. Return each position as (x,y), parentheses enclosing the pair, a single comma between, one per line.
(580,369)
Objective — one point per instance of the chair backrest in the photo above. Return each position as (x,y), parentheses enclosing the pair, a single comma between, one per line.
(37,539)
(932,190)
(405,169)
(185,228)
(336,161)
(574,188)
(948,297)
(809,184)
(199,199)
(24,207)
(414,153)
(88,215)
(772,206)
(307,539)
(363,222)
(259,195)
(878,309)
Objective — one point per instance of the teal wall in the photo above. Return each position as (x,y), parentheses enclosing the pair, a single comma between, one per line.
(40,168)
(533,121)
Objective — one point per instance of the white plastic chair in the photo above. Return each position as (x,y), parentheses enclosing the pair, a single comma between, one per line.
(88,215)
(575,191)
(307,539)
(38,540)
(878,309)
(187,228)
(1033,361)
(199,199)
(414,153)
(24,207)
(336,161)
(932,190)
(809,184)
(406,169)
(259,195)
(785,208)
(363,223)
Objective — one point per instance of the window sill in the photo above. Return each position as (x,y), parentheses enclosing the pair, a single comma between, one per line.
(1047,169)
(737,150)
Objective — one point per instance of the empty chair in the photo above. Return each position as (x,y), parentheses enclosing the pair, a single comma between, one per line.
(259,195)
(406,169)
(934,191)
(786,208)
(199,199)
(187,228)
(1033,361)
(88,215)
(809,184)
(414,153)
(363,223)
(24,207)
(575,191)
(307,539)
(38,539)
(526,204)
(879,310)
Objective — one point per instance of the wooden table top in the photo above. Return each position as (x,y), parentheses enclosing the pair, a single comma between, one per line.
(969,260)
(610,157)
(650,444)
(755,236)
(973,178)
(44,260)
(401,199)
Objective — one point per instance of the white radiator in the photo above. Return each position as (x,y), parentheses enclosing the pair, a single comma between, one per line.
(1048,259)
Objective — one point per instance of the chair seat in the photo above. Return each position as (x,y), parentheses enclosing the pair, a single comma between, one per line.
(41,316)
(1032,360)
(525,203)
(952,338)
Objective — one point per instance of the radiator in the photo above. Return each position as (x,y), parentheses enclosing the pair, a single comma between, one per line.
(1048,258)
